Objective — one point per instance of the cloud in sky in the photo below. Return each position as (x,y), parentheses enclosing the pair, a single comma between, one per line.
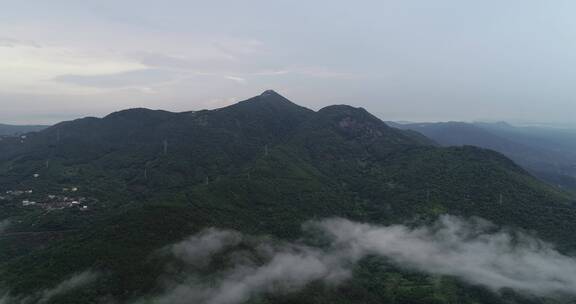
(28,69)
(416,60)
(126,79)
(237,79)
(11,43)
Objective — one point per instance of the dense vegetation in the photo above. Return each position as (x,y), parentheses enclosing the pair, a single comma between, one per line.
(547,153)
(263,167)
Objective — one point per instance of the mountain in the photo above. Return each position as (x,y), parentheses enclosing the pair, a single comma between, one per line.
(547,153)
(11,130)
(113,194)
(559,139)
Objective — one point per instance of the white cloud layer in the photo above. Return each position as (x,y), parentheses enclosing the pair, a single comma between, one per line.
(470,250)
(464,249)
(287,268)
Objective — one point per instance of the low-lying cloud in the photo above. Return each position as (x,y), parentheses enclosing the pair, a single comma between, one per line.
(464,249)
(473,250)
(4,224)
(199,249)
(72,283)
(286,268)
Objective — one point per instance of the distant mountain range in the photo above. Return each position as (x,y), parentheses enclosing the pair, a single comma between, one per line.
(549,153)
(10,130)
(225,206)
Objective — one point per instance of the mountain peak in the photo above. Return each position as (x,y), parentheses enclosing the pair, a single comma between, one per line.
(268,112)
(269,93)
(268,98)
(271,96)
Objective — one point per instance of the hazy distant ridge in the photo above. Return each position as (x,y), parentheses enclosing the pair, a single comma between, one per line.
(19,129)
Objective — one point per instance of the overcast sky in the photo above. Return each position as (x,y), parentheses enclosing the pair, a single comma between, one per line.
(416,60)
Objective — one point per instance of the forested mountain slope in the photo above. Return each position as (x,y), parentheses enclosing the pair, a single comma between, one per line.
(144,179)
(547,153)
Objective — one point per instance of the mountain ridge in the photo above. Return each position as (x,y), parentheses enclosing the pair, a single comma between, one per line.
(13,130)
(263,167)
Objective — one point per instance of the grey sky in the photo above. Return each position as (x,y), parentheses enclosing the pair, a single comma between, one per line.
(402,60)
